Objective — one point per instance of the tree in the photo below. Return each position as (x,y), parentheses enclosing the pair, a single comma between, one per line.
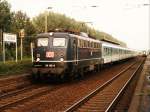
(5,19)
(21,21)
(59,21)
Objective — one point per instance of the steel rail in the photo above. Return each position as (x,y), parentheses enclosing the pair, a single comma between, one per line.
(86,98)
(13,77)
(16,91)
(26,98)
(114,102)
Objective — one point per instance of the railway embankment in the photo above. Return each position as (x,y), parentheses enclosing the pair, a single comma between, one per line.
(141,99)
(11,68)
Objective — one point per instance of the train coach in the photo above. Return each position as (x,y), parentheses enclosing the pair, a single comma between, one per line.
(113,52)
(63,54)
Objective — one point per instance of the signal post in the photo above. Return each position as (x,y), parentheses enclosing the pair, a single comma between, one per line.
(21,35)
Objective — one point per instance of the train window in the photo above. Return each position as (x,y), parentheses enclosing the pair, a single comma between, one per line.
(89,44)
(110,50)
(92,44)
(84,43)
(59,42)
(106,51)
(97,45)
(42,42)
(78,43)
(81,44)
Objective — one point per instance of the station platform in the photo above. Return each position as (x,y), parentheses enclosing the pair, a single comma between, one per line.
(141,98)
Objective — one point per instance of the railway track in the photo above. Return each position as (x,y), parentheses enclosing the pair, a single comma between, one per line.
(105,97)
(14,82)
(29,98)
(12,79)
(17,97)
(17,91)
(20,89)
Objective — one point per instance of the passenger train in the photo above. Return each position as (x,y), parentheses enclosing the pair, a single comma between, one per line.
(65,54)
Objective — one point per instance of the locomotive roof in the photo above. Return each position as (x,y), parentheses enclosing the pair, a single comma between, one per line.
(113,45)
(49,34)
(116,46)
(85,38)
(67,33)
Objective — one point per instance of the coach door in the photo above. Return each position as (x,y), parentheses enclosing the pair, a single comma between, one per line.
(75,51)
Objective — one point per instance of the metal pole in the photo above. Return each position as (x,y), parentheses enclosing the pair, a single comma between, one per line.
(21,48)
(16,51)
(3,50)
(45,21)
(1,40)
(46,14)
(1,43)
(31,45)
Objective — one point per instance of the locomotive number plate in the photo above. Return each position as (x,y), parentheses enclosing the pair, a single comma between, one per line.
(50,54)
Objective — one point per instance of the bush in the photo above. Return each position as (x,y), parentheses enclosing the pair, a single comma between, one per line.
(15,68)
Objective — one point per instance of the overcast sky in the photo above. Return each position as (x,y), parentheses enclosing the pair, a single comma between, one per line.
(126,20)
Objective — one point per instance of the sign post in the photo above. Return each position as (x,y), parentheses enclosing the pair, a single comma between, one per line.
(21,49)
(31,46)
(12,38)
(1,40)
(21,35)
(3,50)
(16,51)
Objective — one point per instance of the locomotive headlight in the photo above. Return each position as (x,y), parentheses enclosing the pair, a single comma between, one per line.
(61,59)
(38,59)
(51,33)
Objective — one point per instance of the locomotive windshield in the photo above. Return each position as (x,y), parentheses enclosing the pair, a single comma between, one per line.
(42,42)
(59,42)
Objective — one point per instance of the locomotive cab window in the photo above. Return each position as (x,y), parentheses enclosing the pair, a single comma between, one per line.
(59,42)
(42,42)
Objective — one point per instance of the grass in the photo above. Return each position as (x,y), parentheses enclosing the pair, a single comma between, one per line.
(10,67)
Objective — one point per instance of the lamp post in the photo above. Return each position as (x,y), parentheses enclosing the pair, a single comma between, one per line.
(1,40)
(46,14)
